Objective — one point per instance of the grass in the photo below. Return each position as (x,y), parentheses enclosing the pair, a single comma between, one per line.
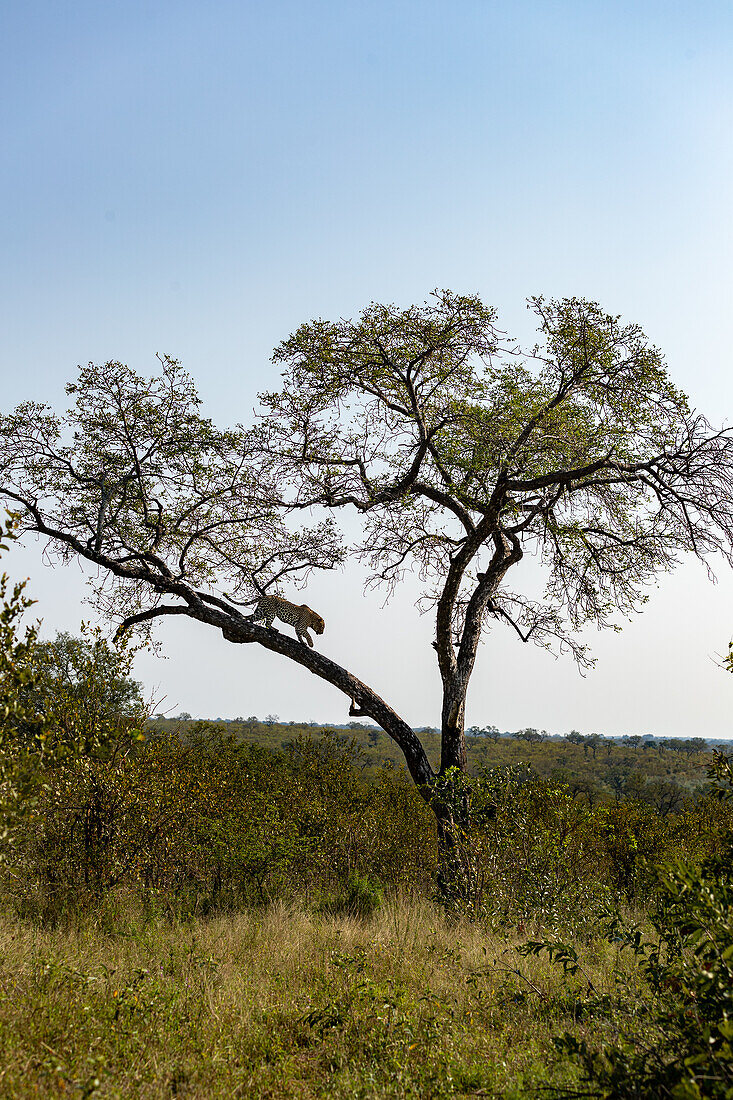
(285,1003)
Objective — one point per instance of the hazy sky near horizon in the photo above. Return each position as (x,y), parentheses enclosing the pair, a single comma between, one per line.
(197,180)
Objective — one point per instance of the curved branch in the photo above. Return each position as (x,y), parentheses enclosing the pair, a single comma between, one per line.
(146,616)
(242,630)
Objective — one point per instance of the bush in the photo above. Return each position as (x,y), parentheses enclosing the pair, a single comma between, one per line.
(360,896)
(679,1043)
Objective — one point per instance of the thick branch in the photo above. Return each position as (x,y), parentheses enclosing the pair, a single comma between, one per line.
(446,605)
(369,704)
(507,552)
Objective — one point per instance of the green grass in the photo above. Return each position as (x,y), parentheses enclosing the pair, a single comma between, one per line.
(284,1003)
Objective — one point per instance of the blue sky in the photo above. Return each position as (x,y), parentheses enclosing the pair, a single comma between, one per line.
(198,180)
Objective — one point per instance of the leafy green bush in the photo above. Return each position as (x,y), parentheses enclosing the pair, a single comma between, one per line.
(530,850)
(211,823)
(678,1043)
(22,732)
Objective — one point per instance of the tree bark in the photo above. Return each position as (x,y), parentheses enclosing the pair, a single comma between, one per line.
(453,740)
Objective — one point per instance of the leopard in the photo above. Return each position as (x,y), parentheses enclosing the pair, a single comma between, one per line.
(300,616)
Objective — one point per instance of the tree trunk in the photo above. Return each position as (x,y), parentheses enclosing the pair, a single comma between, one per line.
(451,803)
(453,721)
(453,739)
(456,865)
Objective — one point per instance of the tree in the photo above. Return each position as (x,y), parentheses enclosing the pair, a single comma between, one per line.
(93,721)
(61,702)
(693,745)
(529,734)
(459,454)
(22,729)
(87,675)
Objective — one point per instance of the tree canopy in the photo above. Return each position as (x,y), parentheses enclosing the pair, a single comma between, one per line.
(459,452)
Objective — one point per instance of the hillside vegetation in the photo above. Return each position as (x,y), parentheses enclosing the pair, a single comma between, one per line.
(660,773)
(208,909)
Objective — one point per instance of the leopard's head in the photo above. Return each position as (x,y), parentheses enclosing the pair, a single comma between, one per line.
(317,623)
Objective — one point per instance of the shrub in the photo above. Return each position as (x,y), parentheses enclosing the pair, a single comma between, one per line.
(679,1044)
(359,896)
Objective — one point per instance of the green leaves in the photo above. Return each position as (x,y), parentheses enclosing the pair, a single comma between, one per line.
(680,1044)
(462,453)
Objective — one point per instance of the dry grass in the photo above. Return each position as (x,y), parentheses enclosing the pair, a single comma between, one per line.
(282,1003)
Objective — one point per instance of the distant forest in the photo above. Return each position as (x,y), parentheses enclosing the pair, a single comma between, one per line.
(664,773)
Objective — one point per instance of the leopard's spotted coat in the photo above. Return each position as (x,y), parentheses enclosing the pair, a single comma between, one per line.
(300,616)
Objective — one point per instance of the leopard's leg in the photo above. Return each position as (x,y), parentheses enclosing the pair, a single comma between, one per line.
(270,619)
(304,636)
